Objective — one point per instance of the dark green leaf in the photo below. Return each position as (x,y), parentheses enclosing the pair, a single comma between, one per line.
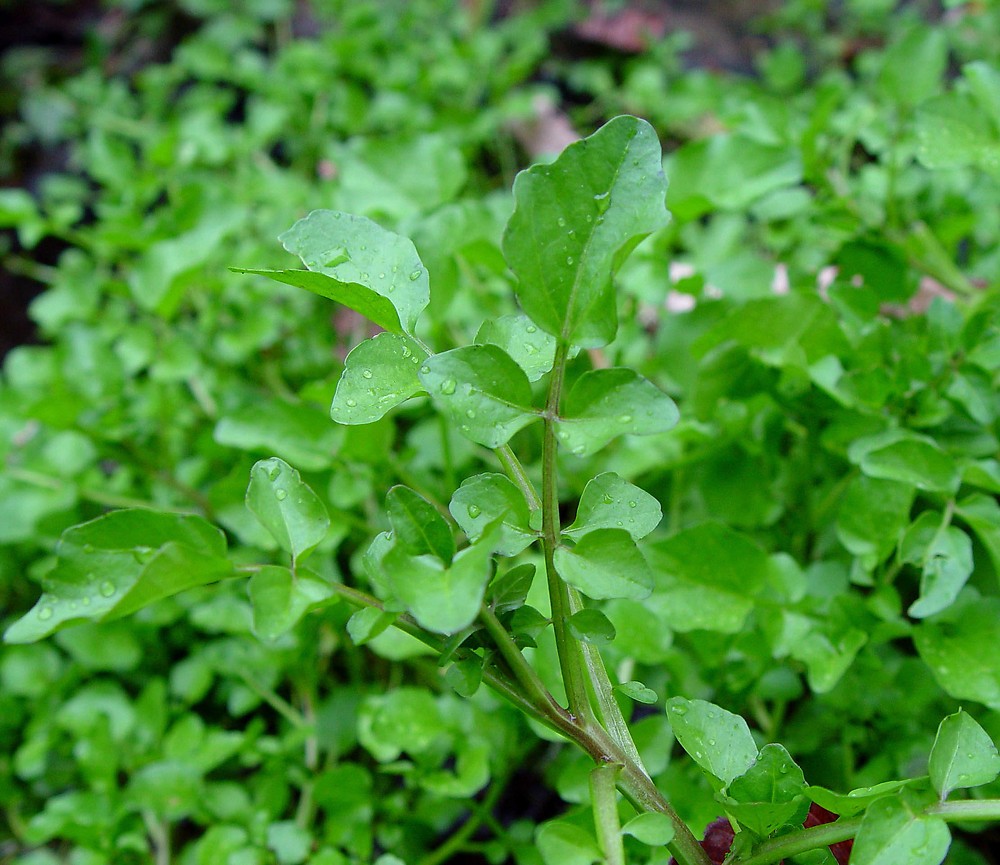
(286,506)
(963,755)
(379,374)
(609,502)
(417,525)
(769,794)
(530,348)
(605,563)
(509,590)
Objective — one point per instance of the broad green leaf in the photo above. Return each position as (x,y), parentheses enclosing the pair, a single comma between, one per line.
(367,264)
(717,740)
(895,832)
(982,514)
(944,555)
(872,517)
(378,375)
(963,755)
(849,804)
(286,506)
(367,623)
(901,455)
(418,526)
(914,65)
(120,562)
(605,563)
(574,222)
(301,434)
(531,349)
(591,626)
(509,591)
(827,652)
(606,403)
(984,83)
(562,843)
(485,498)
(953,132)
(769,794)
(637,691)
(651,828)
(482,390)
(442,599)
(280,598)
(465,676)
(957,646)
(611,502)
(707,577)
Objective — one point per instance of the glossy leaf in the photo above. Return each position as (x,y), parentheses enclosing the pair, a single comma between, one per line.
(286,506)
(895,832)
(770,794)
(509,591)
(963,755)
(417,525)
(944,556)
(591,626)
(481,390)
(530,348)
(606,403)
(562,843)
(611,502)
(485,498)
(717,740)
(120,562)
(575,221)
(280,598)
(605,563)
(900,455)
(637,691)
(651,828)
(379,374)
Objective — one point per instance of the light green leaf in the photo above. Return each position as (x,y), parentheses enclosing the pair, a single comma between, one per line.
(651,828)
(611,502)
(605,563)
(707,577)
(914,65)
(509,590)
(827,652)
(482,390)
(120,562)
(531,349)
(280,598)
(367,623)
(952,645)
(417,525)
(849,804)
(963,755)
(944,555)
(872,517)
(637,691)
(894,832)
(717,740)
(367,264)
(562,843)
(770,794)
(485,498)
(591,626)
(378,375)
(901,455)
(606,403)
(982,514)
(575,221)
(286,506)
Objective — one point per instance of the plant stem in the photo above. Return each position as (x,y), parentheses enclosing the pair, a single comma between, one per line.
(604,795)
(804,839)
(457,841)
(515,471)
(966,809)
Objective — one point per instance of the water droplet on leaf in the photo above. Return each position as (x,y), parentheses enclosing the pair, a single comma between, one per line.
(470,413)
(366,373)
(351,402)
(280,495)
(415,275)
(107,588)
(625,418)
(633,504)
(45,613)
(474,511)
(275,473)
(531,328)
(448,386)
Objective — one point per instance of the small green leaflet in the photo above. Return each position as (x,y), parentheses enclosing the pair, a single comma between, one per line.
(963,755)
(591,626)
(944,555)
(574,223)
(651,828)
(611,502)
(531,349)
(636,691)
(849,804)
(606,403)
(367,623)
(280,598)
(769,795)
(508,591)
(564,843)
(378,375)
(894,832)
(485,498)
(605,563)
(120,562)
(901,455)
(285,505)
(482,390)
(717,740)
(417,525)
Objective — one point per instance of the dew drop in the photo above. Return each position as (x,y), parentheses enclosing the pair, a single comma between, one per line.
(281,495)
(579,449)
(275,473)
(425,369)
(530,349)
(633,504)
(415,359)
(88,549)
(470,413)
(365,276)
(85,601)
(563,435)
(711,743)
(618,523)
(45,613)
(406,351)
(366,373)
(569,259)
(381,276)
(561,222)
(415,275)
(679,710)
(603,201)
(107,588)
(608,499)
(531,328)
(351,402)
(474,511)
(625,418)
(448,386)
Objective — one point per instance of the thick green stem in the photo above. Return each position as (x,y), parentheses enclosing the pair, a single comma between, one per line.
(966,809)
(805,839)
(604,795)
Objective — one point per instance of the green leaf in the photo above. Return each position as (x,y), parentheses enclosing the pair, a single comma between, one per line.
(509,591)
(849,804)
(562,843)
(872,517)
(120,562)
(591,626)
(944,555)
(575,221)
(379,374)
(482,390)
(952,644)
(605,563)
(417,525)
(707,577)
(442,599)
(606,403)
(913,67)
(365,262)
(770,794)
(901,455)
(611,502)
(530,348)
(280,598)
(286,506)
(367,623)
(637,691)
(485,498)
(717,740)
(895,832)
(963,755)
(982,514)
(651,828)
